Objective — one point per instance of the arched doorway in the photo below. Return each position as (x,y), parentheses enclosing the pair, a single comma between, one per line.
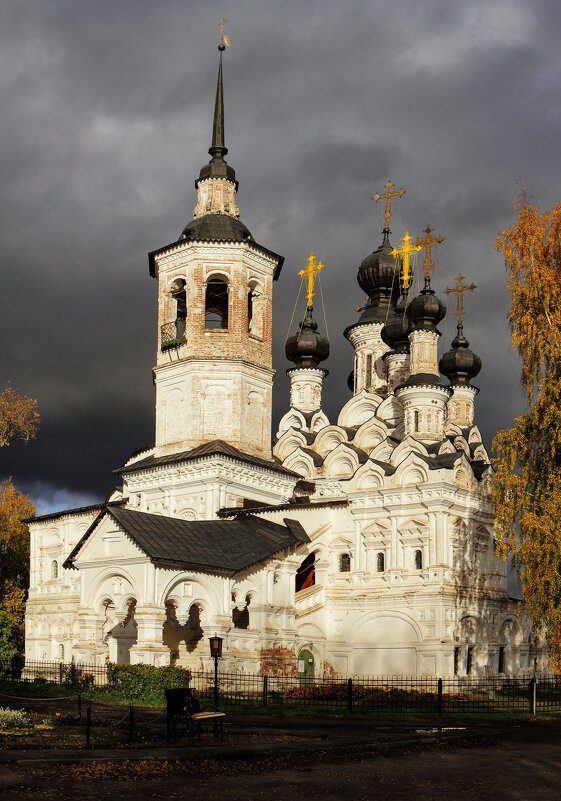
(305,666)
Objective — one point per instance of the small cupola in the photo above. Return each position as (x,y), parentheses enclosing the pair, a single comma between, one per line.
(460,364)
(426,310)
(307,348)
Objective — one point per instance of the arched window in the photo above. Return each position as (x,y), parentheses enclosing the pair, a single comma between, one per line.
(249,308)
(345,563)
(61,652)
(380,563)
(216,304)
(54,569)
(416,418)
(368,370)
(418,560)
(179,295)
(306,573)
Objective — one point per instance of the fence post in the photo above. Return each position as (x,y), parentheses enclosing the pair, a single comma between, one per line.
(131,723)
(80,706)
(350,695)
(60,672)
(265,689)
(440,699)
(533,695)
(88,724)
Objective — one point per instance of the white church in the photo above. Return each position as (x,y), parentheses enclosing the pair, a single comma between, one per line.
(363,545)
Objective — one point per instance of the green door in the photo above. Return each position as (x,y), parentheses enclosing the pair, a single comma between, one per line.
(305,666)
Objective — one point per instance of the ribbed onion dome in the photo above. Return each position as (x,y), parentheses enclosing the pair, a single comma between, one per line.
(307,348)
(396,331)
(378,276)
(460,364)
(426,310)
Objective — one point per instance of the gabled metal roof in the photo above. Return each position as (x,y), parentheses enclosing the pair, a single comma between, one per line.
(217,546)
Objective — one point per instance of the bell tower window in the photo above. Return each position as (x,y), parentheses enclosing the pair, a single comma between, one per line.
(216,304)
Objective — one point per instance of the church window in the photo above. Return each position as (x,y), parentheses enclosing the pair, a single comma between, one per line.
(344,563)
(216,304)
(306,573)
(456,660)
(380,563)
(54,569)
(501,659)
(249,308)
(179,295)
(418,560)
(61,652)
(416,419)
(368,370)
(469,660)
(240,617)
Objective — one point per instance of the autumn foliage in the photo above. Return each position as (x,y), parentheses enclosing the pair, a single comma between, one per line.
(19,418)
(527,485)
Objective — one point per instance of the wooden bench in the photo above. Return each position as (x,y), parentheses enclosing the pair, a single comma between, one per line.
(183,707)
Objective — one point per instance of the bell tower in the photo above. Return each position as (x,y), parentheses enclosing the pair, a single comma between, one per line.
(213,375)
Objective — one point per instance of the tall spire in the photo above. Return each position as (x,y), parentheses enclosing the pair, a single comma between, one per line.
(218,149)
(217,167)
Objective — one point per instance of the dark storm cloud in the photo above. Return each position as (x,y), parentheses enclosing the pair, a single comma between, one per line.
(106,117)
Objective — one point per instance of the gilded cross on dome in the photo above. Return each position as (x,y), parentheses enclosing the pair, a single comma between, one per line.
(427,243)
(387,196)
(460,288)
(405,252)
(310,273)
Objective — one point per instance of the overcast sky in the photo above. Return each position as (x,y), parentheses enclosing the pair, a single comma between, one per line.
(106,111)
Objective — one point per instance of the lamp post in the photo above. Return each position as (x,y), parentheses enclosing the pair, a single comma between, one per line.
(216,654)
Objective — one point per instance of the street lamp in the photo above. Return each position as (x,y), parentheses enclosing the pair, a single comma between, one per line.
(216,654)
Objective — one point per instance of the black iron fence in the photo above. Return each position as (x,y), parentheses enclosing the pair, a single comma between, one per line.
(374,694)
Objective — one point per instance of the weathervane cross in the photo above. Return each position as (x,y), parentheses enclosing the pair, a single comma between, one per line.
(406,252)
(387,196)
(427,243)
(460,288)
(224,38)
(310,273)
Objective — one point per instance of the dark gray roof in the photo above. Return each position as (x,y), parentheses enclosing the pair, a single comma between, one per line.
(218,546)
(96,507)
(215,448)
(240,511)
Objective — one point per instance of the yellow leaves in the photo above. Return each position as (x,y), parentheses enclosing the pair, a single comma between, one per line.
(19,418)
(527,484)
(532,253)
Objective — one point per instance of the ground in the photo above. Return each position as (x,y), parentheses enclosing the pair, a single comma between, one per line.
(297,759)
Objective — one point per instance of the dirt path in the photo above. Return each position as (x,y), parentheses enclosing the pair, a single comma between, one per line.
(512,769)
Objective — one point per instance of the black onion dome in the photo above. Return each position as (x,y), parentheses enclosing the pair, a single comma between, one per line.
(460,364)
(307,348)
(216,228)
(426,310)
(396,331)
(378,276)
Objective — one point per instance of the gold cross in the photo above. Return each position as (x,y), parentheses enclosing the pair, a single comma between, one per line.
(405,253)
(387,195)
(311,271)
(224,38)
(460,288)
(428,242)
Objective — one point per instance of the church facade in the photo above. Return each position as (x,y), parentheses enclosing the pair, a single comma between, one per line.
(363,546)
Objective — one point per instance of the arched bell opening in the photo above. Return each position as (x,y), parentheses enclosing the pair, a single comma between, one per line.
(216,304)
